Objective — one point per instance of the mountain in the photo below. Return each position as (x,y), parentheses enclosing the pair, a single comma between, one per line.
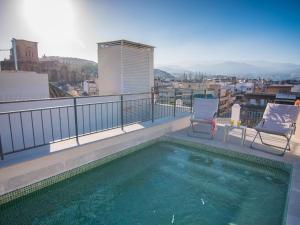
(174,69)
(230,67)
(264,69)
(162,74)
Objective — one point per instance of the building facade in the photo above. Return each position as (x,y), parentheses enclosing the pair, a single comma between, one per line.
(278,88)
(26,55)
(90,87)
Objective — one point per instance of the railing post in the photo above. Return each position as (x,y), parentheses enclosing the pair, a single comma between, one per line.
(122,109)
(1,150)
(174,103)
(152,106)
(192,93)
(219,97)
(75,118)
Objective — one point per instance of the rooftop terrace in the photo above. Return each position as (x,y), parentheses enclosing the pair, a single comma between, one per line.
(55,136)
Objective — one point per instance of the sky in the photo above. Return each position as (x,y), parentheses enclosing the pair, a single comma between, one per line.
(183,32)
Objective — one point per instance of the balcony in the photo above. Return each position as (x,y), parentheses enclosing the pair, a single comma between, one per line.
(28,125)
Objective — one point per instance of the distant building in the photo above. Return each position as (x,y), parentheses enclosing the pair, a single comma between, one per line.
(125,67)
(296,88)
(287,98)
(247,87)
(65,69)
(259,99)
(226,101)
(278,88)
(90,87)
(26,55)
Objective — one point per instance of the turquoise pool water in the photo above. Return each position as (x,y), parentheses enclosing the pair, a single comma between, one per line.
(161,184)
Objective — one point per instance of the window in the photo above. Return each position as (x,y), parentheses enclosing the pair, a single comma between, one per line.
(253,101)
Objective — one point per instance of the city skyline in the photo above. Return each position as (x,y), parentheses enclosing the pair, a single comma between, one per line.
(183,32)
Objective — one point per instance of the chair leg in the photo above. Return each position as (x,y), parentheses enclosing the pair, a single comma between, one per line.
(260,138)
(251,146)
(193,128)
(287,147)
(264,143)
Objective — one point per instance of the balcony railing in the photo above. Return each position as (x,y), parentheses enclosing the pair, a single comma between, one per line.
(250,115)
(30,128)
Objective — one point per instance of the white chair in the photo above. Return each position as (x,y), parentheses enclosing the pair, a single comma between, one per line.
(278,119)
(205,112)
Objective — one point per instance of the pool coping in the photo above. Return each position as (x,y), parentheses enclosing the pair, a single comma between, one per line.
(22,192)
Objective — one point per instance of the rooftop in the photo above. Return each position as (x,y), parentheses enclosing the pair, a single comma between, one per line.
(24,40)
(124,42)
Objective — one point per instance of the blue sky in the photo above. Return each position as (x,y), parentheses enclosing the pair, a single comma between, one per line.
(182,31)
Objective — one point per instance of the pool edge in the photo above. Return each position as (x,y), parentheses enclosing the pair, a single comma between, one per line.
(21,192)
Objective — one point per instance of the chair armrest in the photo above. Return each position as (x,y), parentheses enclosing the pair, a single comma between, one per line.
(192,115)
(215,115)
(293,126)
(262,122)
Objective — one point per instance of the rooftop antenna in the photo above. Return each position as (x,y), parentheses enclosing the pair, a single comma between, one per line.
(14,47)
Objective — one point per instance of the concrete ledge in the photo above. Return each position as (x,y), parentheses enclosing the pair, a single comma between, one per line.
(22,174)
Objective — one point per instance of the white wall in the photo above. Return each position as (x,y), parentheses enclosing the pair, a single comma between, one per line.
(109,70)
(137,69)
(23,85)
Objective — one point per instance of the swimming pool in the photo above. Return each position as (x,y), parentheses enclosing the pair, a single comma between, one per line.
(164,183)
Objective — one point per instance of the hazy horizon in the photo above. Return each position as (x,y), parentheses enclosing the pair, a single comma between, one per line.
(182,32)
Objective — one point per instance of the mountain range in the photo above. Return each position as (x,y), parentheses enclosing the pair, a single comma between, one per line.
(254,69)
(163,74)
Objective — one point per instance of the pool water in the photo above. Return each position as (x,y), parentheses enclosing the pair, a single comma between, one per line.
(161,184)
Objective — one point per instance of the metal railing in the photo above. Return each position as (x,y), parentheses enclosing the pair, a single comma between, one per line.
(30,128)
(249,116)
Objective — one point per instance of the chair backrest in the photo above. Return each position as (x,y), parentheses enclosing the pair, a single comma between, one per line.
(205,108)
(280,115)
